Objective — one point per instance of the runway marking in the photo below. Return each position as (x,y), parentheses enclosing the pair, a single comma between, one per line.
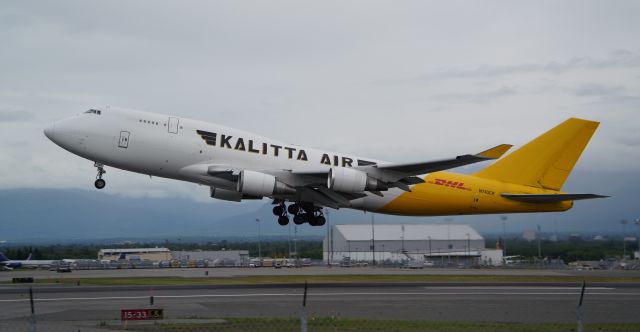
(310,295)
(516,287)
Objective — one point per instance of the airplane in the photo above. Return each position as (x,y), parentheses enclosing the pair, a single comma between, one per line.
(9,264)
(237,165)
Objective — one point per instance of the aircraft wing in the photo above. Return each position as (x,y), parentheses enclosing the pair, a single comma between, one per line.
(395,172)
(312,186)
(389,176)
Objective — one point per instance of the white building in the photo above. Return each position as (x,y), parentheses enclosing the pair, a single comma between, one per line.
(214,258)
(141,254)
(433,244)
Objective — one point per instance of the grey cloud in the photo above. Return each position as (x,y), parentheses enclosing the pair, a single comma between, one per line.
(594,89)
(616,59)
(606,95)
(629,140)
(478,97)
(15,116)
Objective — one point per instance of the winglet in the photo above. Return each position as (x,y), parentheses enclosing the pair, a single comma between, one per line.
(495,152)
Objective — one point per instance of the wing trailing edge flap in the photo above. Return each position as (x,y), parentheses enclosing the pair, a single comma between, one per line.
(327,197)
(311,195)
(549,198)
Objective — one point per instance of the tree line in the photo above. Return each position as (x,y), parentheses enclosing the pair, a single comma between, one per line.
(569,251)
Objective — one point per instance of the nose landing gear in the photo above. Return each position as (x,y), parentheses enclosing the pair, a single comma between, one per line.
(100,183)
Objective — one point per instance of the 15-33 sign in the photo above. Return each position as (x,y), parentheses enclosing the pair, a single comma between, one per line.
(141,314)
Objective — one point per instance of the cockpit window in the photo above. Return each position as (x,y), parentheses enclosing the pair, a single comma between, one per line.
(92,111)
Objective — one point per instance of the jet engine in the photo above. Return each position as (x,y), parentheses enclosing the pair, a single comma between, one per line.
(225,194)
(349,180)
(260,184)
(229,195)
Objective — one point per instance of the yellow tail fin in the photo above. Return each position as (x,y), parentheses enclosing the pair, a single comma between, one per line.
(546,161)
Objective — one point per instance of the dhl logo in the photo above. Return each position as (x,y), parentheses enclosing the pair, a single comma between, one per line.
(449,183)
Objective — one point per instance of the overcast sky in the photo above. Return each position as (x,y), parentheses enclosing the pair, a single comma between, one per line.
(400,81)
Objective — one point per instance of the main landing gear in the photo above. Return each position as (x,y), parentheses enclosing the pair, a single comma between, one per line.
(302,213)
(100,183)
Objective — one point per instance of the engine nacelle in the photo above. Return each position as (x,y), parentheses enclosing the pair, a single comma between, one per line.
(225,194)
(349,180)
(260,184)
(230,195)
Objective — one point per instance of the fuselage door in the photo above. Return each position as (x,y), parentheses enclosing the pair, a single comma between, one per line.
(173,125)
(124,139)
(476,201)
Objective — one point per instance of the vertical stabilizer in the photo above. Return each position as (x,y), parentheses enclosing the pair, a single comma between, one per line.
(546,161)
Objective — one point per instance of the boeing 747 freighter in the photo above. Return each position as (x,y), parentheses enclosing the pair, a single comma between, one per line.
(239,165)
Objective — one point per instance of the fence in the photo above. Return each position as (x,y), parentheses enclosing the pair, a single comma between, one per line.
(28,311)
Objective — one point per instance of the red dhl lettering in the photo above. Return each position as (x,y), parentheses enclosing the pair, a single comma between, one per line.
(449,183)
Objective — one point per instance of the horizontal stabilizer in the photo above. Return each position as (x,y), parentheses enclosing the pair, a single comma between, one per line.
(550,198)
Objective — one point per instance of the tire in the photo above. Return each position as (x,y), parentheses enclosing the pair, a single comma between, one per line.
(293,209)
(278,210)
(299,219)
(100,183)
(320,221)
(283,220)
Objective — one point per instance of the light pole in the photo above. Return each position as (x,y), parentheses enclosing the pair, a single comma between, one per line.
(289,254)
(504,235)
(373,241)
(539,248)
(295,242)
(637,222)
(259,240)
(624,238)
(402,237)
(328,239)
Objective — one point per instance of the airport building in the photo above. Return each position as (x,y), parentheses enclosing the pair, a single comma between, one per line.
(411,244)
(132,254)
(218,258)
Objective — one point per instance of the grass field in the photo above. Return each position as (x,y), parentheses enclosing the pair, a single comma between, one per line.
(252,280)
(356,325)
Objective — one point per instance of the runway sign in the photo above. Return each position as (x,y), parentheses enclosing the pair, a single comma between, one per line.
(141,314)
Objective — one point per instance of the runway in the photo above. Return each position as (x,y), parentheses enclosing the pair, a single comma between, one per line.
(472,302)
(314,270)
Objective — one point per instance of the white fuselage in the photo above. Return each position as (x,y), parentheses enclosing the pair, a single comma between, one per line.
(183,149)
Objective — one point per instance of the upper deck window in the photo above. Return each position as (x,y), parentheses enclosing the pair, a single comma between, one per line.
(92,111)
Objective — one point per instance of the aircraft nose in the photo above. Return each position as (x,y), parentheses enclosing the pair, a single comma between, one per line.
(50,131)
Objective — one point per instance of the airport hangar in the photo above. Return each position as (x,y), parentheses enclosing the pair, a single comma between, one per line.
(436,244)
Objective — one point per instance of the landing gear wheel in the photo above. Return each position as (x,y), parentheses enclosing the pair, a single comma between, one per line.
(299,219)
(293,209)
(100,183)
(320,221)
(278,210)
(283,220)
